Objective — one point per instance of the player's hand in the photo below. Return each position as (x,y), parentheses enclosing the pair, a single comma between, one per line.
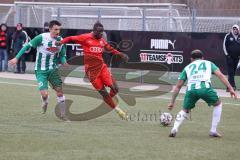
(124,57)
(170,106)
(58,43)
(13,61)
(233,93)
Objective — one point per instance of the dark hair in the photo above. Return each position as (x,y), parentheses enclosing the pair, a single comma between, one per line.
(196,54)
(20,24)
(3,24)
(97,24)
(46,24)
(54,22)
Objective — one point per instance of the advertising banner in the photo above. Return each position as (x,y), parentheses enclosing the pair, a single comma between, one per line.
(166,48)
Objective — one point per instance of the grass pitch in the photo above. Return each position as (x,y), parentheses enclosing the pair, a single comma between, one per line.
(26,134)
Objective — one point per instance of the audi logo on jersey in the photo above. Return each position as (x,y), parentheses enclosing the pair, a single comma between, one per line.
(96,49)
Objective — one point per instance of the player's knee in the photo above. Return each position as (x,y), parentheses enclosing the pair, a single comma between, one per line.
(186,110)
(183,114)
(61,99)
(114,88)
(217,103)
(44,94)
(59,92)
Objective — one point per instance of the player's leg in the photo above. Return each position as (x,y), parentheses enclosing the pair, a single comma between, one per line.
(108,99)
(99,86)
(45,98)
(114,88)
(211,97)
(107,80)
(56,82)
(61,103)
(216,117)
(41,77)
(181,116)
(190,100)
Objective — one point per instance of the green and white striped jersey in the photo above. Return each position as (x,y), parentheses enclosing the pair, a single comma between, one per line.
(198,73)
(48,54)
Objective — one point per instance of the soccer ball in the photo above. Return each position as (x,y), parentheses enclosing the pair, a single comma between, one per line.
(166,118)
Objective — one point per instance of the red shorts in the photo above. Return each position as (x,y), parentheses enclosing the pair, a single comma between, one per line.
(104,78)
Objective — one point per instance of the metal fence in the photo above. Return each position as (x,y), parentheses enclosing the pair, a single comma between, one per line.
(165,17)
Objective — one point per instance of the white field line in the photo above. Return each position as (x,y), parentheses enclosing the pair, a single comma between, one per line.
(158,97)
(80,81)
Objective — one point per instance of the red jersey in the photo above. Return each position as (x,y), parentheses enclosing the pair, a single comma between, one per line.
(93,49)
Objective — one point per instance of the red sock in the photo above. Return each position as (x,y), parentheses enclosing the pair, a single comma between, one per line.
(109,101)
(112,93)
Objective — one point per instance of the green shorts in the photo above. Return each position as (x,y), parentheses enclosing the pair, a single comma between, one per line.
(51,75)
(206,94)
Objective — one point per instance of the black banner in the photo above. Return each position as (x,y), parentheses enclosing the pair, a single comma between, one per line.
(168,48)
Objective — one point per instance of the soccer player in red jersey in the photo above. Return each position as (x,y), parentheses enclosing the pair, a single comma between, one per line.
(96,70)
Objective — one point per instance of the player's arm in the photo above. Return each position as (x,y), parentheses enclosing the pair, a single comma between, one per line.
(33,43)
(76,39)
(218,73)
(224,80)
(176,91)
(62,55)
(109,48)
(181,80)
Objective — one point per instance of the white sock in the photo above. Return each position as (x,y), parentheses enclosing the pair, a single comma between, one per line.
(216,116)
(117,108)
(181,116)
(45,101)
(62,105)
